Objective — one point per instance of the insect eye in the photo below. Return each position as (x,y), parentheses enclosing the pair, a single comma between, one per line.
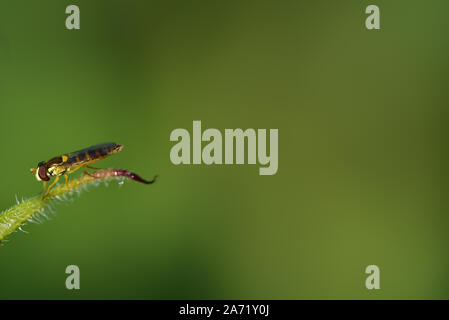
(42,172)
(40,164)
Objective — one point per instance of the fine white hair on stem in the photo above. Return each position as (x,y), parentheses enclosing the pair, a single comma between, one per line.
(35,208)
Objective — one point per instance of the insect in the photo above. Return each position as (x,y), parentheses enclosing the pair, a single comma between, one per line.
(69,163)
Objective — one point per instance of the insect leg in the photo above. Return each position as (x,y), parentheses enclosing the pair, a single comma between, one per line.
(44,186)
(87,173)
(66,181)
(53,183)
(72,171)
(93,168)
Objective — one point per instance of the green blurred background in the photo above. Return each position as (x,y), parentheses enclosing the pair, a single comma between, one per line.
(362,118)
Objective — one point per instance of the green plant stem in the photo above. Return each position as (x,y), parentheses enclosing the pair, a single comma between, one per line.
(12,218)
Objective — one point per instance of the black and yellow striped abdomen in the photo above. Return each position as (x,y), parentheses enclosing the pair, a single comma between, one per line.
(74,160)
(93,153)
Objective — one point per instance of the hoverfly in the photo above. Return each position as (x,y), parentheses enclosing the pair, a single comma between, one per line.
(69,163)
